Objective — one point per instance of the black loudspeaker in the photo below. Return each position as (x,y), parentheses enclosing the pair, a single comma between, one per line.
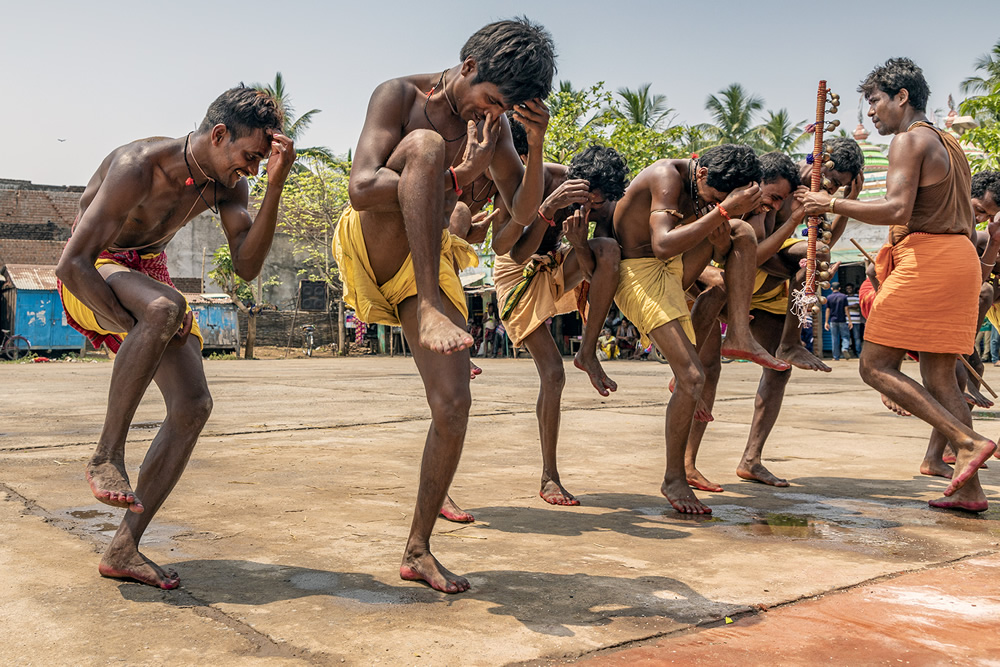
(312,296)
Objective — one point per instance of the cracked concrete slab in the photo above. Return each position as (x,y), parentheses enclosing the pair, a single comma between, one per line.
(289,523)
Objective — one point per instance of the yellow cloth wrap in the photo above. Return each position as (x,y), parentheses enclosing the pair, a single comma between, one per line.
(993,315)
(85,317)
(530,293)
(774,300)
(650,294)
(379,304)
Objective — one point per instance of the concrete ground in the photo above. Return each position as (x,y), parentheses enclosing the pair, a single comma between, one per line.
(288,526)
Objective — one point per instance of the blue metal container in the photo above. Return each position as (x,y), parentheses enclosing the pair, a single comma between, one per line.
(34,310)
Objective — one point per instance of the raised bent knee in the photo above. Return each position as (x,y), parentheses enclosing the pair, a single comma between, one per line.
(423,145)
(607,251)
(165,313)
(742,231)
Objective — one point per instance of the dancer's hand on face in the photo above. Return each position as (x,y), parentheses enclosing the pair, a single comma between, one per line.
(279,164)
(743,200)
(857,185)
(479,152)
(572,191)
(993,229)
(534,115)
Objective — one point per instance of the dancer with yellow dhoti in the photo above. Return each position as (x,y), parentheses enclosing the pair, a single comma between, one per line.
(931,310)
(426,138)
(538,276)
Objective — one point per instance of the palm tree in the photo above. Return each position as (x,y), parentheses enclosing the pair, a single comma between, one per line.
(733,111)
(778,133)
(294,127)
(989,64)
(640,108)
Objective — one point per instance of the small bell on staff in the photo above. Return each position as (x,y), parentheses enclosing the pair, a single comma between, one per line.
(823,275)
(816,309)
(823,266)
(822,300)
(827,237)
(825,284)
(829,164)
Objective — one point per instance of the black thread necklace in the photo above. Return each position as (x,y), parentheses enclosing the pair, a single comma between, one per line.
(694,190)
(488,189)
(215,183)
(428,99)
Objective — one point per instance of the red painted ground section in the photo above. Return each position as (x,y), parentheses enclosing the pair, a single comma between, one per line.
(941,616)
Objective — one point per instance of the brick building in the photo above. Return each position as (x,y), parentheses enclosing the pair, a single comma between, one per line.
(35,221)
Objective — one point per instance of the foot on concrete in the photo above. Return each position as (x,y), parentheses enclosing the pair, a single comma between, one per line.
(700,482)
(751,350)
(967,506)
(936,468)
(682,498)
(474,370)
(975,398)
(438,333)
(756,472)
(893,407)
(967,463)
(554,494)
(592,367)
(136,567)
(800,357)
(426,568)
(452,512)
(109,484)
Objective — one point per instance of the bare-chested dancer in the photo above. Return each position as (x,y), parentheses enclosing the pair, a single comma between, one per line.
(779,258)
(426,138)
(536,275)
(931,309)
(675,217)
(114,282)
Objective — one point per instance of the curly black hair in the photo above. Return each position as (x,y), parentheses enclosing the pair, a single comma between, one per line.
(777,165)
(846,155)
(895,75)
(517,55)
(986,181)
(604,168)
(243,110)
(730,166)
(518,134)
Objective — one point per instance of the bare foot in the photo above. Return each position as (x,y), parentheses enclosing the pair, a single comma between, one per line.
(109,484)
(969,498)
(682,498)
(700,482)
(758,473)
(452,512)
(968,462)
(592,367)
(440,334)
(136,567)
(474,370)
(936,468)
(751,351)
(800,357)
(975,397)
(893,407)
(554,494)
(427,569)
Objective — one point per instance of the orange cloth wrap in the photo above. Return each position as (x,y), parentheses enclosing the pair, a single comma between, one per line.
(928,300)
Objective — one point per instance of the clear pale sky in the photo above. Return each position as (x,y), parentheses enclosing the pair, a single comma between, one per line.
(99,74)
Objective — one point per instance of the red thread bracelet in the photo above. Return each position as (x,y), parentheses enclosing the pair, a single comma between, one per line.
(723,212)
(454,180)
(552,223)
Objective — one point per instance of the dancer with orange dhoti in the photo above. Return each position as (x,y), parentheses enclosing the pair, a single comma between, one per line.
(929,272)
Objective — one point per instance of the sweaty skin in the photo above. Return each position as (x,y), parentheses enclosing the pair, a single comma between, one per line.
(422,134)
(138,199)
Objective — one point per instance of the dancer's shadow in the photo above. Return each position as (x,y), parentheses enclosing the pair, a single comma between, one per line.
(545,603)
(635,515)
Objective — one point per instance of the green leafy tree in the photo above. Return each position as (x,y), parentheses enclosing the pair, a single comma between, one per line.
(779,133)
(295,126)
(989,65)
(640,107)
(247,297)
(986,137)
(734,112)
(573,121)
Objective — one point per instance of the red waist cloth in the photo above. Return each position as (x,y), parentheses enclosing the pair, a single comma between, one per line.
(154,266)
